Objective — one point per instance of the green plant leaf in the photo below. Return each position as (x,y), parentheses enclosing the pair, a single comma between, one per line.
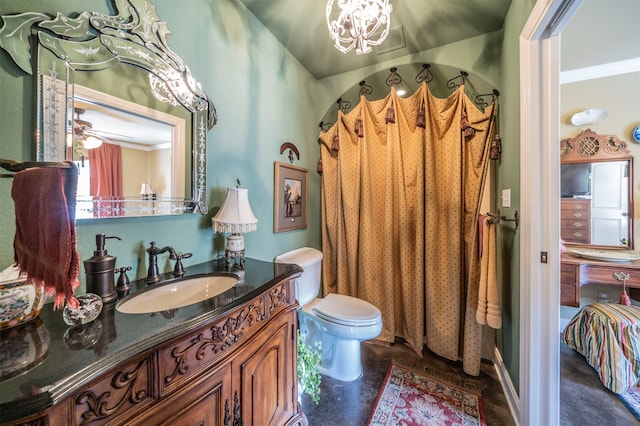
(14,37)
(309,376)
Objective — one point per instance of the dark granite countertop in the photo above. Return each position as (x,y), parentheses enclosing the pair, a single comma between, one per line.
(73,356)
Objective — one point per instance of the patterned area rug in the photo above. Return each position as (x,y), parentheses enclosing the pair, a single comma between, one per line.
(631,399)
(410,398)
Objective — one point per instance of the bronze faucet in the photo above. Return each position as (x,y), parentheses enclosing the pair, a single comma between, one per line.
(153,274)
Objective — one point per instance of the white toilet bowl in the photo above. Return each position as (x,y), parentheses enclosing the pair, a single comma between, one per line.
(339,322)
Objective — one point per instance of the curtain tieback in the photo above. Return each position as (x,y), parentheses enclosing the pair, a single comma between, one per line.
(467,130)
(335,142)
(390,117)
(359,128)
(421,120)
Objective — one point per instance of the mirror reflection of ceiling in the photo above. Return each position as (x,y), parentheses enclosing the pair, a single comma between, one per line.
(123,126)
(301,27)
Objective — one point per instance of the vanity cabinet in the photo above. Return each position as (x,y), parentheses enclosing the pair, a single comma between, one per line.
(207,401)
(236,369)
(264,375)
(575,221)
(576,272)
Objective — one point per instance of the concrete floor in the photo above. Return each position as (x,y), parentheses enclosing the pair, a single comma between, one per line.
(583,399)
(351,403)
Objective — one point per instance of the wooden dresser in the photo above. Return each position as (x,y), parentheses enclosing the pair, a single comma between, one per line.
(576,272)
(575,221)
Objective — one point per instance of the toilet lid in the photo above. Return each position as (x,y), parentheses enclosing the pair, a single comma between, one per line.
(347,310)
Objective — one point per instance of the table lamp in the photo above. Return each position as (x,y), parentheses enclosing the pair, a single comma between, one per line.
(235,217)
(147,191)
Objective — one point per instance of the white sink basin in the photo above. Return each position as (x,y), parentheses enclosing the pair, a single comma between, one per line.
(176,294)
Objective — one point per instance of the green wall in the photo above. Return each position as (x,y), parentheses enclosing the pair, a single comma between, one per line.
(507,175)
(263,97)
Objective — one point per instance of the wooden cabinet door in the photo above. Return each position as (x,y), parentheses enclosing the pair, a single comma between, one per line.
(264,377)
(206,402)
(569,285)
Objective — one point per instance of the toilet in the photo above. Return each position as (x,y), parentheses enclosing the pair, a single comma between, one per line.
(339,322)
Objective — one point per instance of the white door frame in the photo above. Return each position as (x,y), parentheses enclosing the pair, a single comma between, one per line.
(540,211)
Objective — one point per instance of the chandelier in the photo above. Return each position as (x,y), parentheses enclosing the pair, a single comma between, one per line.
(356,22)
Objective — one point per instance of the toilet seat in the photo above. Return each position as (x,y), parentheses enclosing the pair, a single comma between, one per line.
(338,323)
(347,310)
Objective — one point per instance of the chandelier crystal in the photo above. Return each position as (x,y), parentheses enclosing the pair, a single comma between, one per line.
(355,23)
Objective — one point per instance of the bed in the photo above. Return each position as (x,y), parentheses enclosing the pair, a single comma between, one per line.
(608,336)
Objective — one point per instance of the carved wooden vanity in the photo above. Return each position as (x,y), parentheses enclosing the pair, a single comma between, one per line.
(231,361)
(576,272)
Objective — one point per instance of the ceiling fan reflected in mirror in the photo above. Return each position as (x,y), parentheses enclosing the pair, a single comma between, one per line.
(82,133)
(85,137)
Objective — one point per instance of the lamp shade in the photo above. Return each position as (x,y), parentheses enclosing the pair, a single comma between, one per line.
(145,189)
(235,215)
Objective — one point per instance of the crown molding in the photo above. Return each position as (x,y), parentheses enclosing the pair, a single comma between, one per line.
(600,71)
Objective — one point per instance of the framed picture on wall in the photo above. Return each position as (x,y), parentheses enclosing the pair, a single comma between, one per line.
(290,197)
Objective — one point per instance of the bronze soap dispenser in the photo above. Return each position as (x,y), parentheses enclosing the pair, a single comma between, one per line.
(99,271)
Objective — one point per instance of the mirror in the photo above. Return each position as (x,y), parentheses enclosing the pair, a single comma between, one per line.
(597,195)
(150,161)
(97,65)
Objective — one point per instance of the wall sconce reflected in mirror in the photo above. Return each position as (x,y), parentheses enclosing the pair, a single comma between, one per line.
(147,192)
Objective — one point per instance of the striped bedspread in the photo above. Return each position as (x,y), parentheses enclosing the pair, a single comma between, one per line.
(608,336)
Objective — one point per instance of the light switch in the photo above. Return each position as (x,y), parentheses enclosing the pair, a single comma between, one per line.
(506,198)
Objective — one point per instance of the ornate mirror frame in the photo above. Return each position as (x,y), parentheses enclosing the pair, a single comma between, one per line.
(590,147)
(94,41)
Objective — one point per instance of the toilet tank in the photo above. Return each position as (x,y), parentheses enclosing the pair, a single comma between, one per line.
(310,260)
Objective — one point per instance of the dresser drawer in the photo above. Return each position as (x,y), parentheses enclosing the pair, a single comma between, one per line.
(575,204)
(574,224)
(604,275)
(567,272)
(574,214)
(575,235)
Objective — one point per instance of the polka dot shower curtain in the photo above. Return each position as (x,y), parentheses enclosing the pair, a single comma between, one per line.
(401,186)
